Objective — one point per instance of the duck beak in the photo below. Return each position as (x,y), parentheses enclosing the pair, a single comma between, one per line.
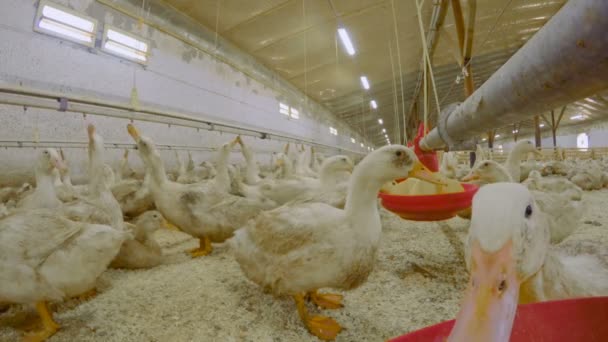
(234,142)
(471,176)
(168,225)
(421,172)
(58,164)
(490,302)
(133,132)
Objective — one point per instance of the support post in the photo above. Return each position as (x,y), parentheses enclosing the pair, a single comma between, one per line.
(537,139)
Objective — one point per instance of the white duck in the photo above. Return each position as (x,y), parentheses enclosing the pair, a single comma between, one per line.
(142,250)
(558,198)
(100,205)
(511,260)
(252,171)
(206,210)
(333,174)
(45,194)
(134,196)
(125,171)
(516,156)
(45,257)
(298,248)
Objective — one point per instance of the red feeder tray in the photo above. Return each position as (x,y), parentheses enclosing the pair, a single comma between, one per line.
(581,319)
(429,207)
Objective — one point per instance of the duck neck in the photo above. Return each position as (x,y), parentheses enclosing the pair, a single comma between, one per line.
(361,200)
(222,178)
(513,161)
(45,185)
(156,170)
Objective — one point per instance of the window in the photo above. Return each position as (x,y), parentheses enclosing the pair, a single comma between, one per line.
(64,23)
(284,109)
(352,140)
(333,131)
(126,45)
(288,111)
(582,140)
(294,113)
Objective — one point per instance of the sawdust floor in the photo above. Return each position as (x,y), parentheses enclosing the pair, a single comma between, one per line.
(418,281)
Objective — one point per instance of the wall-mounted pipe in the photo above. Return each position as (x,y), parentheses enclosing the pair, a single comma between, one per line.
(565,61)
(48,100)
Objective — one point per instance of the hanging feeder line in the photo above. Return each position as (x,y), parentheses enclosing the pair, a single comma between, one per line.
(400,74)
(463,70)
(430,66)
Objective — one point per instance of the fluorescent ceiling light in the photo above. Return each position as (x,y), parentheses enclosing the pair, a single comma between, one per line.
(515,131)
(352,140)
(484,139)
(364,82)
(497,136)
(65,23)
(380,121)
(384,130)
(125,45)
(362,145)
(373,104)
(577,117)
(542,125)
(67,18)
(333,131)
(344,37)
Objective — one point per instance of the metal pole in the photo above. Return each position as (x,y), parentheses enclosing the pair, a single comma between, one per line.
(564,62)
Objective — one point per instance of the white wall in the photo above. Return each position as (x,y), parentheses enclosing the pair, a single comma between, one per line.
(178,77)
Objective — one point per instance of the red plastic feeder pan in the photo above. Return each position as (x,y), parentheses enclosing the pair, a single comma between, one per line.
(429,207)
(581,319)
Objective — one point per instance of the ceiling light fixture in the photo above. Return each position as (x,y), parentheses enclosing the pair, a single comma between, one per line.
(373,104)
(384,130)
(380,121)
(364,82)
(541,125)
(345,38)
(497,136)
(577,117)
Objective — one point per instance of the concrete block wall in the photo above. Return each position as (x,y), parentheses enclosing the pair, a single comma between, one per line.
(178,77)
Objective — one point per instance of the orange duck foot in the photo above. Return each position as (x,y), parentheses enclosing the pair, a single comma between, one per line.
(329,301)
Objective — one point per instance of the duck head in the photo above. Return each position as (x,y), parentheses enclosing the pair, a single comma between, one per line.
(525,146)
(507,243)
(488,171)
(151,221)
(49,160)
(395,162)
(146,148)
(337,164)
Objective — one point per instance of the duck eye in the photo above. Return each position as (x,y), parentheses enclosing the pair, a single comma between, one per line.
(528,211)
(398,153)
(502,286)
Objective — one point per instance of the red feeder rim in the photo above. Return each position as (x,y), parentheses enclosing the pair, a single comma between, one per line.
(429,207)
(580,319)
